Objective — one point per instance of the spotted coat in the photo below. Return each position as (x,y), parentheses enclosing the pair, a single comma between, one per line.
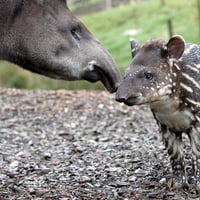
(165,75)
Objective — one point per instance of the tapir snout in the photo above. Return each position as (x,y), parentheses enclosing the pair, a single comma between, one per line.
(44,37)
(125,93)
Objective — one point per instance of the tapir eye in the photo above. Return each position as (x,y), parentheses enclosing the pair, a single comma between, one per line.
(76,33)
(148,76)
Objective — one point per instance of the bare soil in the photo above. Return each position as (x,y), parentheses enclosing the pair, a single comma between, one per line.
(80,146)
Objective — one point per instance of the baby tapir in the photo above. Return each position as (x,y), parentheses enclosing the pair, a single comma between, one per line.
(166,76)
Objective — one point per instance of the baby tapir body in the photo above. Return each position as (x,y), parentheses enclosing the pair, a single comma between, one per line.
(166,76)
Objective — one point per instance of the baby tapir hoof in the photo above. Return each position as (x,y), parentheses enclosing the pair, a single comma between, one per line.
(180,183)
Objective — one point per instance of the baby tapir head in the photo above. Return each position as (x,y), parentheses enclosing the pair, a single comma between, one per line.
(150,78)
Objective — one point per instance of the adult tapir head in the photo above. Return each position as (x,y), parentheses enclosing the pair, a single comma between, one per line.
(44,37)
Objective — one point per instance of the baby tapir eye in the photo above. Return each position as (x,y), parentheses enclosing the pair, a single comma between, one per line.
(148,76)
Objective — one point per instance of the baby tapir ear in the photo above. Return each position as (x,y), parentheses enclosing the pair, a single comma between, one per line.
(135,47)
(175,46)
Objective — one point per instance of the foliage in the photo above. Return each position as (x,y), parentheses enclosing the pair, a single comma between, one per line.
(149,17)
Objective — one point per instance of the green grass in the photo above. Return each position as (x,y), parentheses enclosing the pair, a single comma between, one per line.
(150,17)
(80,4)
(108,26)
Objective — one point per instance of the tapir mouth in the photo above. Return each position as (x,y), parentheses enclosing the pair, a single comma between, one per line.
(108,82)
(99,74)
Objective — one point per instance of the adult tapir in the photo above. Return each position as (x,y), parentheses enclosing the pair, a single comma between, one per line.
(44,37)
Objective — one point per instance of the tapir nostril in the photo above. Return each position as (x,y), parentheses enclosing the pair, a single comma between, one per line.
(128,99)
(120,99)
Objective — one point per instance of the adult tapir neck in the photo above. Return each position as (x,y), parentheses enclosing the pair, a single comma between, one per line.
(9,9)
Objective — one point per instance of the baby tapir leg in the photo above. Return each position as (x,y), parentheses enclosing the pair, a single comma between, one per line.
(173,144)
(194,136)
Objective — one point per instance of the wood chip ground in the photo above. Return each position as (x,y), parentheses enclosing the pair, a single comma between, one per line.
(81,145)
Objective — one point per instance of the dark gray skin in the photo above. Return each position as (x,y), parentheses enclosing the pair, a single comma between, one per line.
(44,37)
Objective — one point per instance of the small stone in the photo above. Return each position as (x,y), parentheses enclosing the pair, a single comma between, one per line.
(13,167)
(101,106)
(163,181)
(20,154)
(133,179)
(47,156)
(30,143)
(85,179)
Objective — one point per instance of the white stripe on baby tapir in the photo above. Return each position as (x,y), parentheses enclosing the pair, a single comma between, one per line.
(197,66)
(191,79)
(197,118)
(193,68)
(177,67)
(187,88)
(193,102)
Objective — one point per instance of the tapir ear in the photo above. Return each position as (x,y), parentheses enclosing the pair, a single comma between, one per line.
(135,47)
(175,46)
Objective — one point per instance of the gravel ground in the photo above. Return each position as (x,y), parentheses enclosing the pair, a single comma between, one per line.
(81,145)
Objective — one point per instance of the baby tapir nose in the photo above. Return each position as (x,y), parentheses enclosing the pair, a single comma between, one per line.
(127,96)
(120,98)
(121,95)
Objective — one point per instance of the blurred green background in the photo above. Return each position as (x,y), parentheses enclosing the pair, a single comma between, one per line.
(114,25)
